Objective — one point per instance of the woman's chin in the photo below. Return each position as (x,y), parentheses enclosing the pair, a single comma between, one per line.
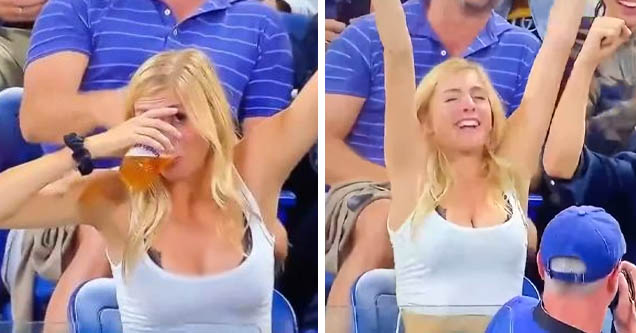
(173,172)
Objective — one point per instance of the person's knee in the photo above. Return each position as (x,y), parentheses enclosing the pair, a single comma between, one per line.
(372,220)
(371,242)
(89,253)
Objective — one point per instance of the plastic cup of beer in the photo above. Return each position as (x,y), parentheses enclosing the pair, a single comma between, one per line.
(141,167)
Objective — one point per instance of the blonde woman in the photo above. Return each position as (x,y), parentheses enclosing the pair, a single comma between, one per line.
(460,174)
(196,249)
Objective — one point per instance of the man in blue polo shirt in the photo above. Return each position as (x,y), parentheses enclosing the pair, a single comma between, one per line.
(580,261)
(83,54)
(354,113)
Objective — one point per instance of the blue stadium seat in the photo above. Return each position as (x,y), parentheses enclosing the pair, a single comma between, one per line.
(329,277)
(534,203)
(303,35)
(529,289)
(375,307)
(283,315)
(286,201)
(93,308)
(42,291)
(13,150)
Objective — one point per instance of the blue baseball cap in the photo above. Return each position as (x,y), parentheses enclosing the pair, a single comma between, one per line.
(586,233)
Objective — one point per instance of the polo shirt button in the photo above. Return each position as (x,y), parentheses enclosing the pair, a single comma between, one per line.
(175,32)
(167,11)
(443,53)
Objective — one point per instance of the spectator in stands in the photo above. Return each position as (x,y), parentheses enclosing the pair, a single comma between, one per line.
(301,7)
(339,13)
(580,261)
(611,102)
(357,240)
(82,56)
(299,281)
(174,246)
(335,16)
(463,168)
(578,162)
(533,14)
(17,19)
(528,14)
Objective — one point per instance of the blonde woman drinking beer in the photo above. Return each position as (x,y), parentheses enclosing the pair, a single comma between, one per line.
(197,245)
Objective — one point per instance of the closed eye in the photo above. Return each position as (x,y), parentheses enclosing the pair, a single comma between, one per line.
(181,117)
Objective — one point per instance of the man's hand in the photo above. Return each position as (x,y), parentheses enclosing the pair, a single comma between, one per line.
(20,10)
(333,29)
(625,313)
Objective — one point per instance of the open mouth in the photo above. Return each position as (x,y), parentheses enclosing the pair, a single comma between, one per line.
(628,4)
(469,123)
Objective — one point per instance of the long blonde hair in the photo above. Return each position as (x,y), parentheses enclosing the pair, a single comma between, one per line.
(190,76)
(436,179)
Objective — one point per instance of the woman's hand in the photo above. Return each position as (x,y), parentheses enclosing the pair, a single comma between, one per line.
(147,129)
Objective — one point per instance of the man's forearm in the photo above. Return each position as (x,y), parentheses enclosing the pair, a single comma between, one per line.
(342,164)
(48,117)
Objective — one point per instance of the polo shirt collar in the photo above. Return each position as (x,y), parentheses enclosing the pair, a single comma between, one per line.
(550,324)
(212,5)
(418,25)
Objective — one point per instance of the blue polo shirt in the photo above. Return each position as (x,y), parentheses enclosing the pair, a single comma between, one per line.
(354,66)
(525,314)
(246,41)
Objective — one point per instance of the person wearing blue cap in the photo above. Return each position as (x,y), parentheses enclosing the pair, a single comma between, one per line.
(580,260)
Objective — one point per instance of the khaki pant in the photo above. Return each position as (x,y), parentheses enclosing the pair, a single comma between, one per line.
(343,205)
(14,44)
(414,323)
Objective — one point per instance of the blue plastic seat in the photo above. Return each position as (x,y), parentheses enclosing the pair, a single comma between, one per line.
(329,277)
(534,203)
(14,149)
(286,201)
(375,307)
(93,308)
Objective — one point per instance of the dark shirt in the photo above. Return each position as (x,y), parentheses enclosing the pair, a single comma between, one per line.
(607,182)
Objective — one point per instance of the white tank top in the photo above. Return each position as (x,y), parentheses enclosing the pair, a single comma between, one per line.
(238,300)
(442,268)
